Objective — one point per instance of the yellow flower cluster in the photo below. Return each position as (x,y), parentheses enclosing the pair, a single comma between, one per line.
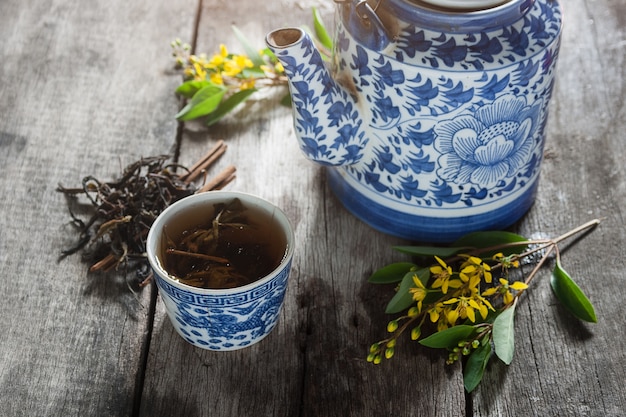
(466,303)
(459,296)
(222,68)
(466,299)
(217,84)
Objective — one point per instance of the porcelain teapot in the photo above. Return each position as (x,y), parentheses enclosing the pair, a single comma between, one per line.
(431,114)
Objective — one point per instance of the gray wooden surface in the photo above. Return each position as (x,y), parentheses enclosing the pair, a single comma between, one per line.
(87,87)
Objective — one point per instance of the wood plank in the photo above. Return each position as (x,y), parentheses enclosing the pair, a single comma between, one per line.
(563,366)
(85,88)
(313,363)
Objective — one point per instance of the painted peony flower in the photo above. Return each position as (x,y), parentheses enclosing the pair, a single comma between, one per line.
(489,146)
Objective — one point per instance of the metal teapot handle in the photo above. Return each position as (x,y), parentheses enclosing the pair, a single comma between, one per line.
(363,23)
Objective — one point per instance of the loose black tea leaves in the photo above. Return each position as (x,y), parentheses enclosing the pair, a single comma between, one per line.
(229,247)
(121,212)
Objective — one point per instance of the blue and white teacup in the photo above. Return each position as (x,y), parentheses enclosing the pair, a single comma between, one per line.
(221,319)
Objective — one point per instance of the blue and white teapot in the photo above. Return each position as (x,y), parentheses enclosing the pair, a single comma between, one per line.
(431,117)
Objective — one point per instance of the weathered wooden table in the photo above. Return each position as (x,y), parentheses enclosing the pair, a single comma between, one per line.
(87,87)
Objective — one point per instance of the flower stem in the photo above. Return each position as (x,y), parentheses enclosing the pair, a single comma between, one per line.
(551,245)
(546,243)
(539,264)
(581,228)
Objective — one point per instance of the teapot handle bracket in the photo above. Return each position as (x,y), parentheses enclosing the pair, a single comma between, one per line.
(369,29)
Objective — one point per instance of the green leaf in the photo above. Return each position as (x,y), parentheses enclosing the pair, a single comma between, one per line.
(470,241)
(450,337)
(504,334)
(442,252)
(320,30)
(203,102)
(493,238)
(251,52)
(286,101)
(475,366)
(403,298)
(228,105)
(268,53)
(570,295)
(189,88)
(391,273)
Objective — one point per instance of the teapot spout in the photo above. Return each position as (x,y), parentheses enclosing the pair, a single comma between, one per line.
(327,121)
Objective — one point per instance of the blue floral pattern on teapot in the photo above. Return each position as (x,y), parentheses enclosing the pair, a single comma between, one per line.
(428,134)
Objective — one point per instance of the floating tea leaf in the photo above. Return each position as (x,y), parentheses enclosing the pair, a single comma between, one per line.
(227,247)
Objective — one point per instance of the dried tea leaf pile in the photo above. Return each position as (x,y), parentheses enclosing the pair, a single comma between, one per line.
(122,211)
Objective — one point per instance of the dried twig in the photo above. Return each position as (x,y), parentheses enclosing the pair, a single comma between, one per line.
(203,163)
(220,180)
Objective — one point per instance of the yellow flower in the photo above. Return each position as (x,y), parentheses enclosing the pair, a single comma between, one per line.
(223,50)
(442,324)
(235,66)
(466,308)
(243,61)
(273,68)
(442,274)
(200,72)
(247,84)
(490,291)
(231,68)
(434,312)
(507,297)
(507,262)
(189,73)
(216,78)
(452,316)
(471,276)
(518,286)
(483,304)
(505,288)
(416,332)
(419,291)
(474,266)
(216,62)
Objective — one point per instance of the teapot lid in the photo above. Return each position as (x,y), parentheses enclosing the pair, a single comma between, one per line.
(457,16)
(464,4)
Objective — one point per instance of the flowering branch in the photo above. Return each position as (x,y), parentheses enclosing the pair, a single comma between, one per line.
(215,86)
(471,311)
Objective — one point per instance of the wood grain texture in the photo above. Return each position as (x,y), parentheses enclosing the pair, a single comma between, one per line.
(563,366)
(86,88)
(313,363)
